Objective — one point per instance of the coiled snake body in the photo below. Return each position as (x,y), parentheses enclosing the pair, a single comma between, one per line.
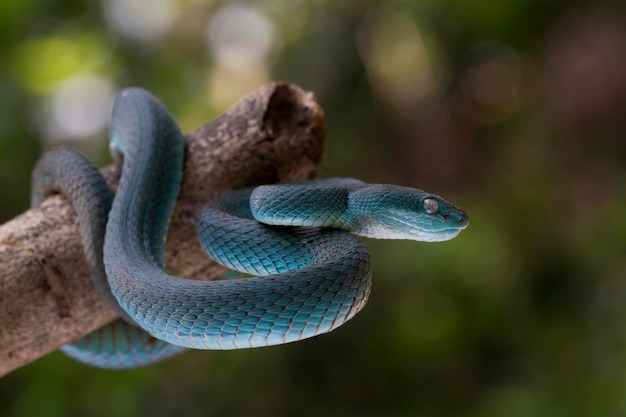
(311,276)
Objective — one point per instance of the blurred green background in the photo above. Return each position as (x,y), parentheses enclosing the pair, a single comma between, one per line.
(514,109)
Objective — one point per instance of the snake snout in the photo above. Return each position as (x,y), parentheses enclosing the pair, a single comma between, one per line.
(458,218)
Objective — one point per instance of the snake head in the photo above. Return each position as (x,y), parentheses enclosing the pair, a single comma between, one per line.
(392,212)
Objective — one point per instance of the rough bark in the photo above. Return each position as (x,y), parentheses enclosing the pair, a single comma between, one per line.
(46,298)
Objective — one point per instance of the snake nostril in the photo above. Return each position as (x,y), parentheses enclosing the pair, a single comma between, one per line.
(460,220)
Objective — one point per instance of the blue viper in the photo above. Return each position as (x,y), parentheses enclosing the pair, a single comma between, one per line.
(311,273)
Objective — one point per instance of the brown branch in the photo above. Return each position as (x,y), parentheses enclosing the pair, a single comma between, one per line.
(46,299)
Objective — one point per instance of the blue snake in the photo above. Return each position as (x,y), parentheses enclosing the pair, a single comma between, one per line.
(310,273)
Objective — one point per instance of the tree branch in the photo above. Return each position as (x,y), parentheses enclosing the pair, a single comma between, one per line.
(275,134)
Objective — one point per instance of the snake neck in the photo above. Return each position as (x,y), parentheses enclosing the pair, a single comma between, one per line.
(367,209)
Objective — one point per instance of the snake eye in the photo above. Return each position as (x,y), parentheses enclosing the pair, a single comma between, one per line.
(431,206)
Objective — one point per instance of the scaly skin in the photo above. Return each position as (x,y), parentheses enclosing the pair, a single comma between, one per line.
(121,344)
(309,280)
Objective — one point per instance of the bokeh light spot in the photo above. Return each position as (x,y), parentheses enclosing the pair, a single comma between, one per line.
(140,20)
(78,109)
(397,59)
(239,36)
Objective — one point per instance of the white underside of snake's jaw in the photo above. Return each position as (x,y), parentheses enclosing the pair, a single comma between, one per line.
(375,230)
